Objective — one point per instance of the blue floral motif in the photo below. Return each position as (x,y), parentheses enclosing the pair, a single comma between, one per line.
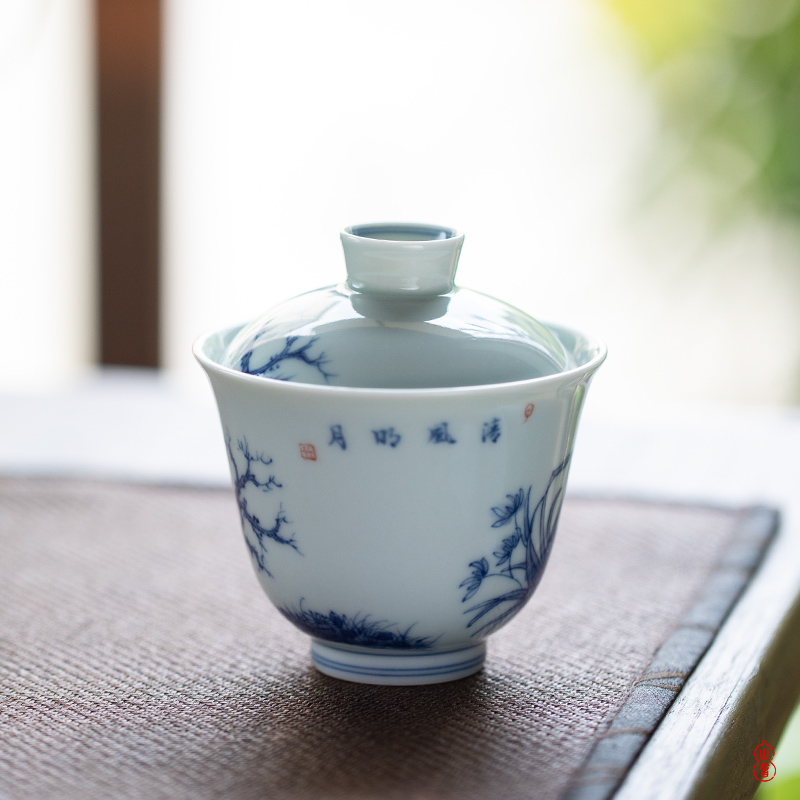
(356,630)
(252,473)
(292,351)
(520,557)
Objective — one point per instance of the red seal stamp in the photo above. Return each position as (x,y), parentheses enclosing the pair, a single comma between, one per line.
(528,411)
(308,452)
(764,770)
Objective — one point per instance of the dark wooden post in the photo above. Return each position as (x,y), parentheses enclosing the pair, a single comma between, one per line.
(128,41)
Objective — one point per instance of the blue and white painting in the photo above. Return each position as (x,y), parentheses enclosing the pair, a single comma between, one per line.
(356,629)
(252,472)
(500,586)
(299,358)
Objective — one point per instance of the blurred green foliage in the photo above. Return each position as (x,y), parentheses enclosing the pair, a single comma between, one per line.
(780,789)
(727,76)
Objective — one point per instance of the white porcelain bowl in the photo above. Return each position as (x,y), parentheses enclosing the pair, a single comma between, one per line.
(399,527)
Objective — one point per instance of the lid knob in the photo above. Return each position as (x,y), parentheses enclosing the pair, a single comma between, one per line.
(399,258)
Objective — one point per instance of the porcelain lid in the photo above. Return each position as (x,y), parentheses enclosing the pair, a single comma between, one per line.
(398,321)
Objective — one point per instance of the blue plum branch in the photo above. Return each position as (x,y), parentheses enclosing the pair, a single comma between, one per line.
(290,352)
(244,477)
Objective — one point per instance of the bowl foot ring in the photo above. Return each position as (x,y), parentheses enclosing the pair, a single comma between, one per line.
(396,668)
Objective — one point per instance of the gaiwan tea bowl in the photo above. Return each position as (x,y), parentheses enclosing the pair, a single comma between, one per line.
(399,451)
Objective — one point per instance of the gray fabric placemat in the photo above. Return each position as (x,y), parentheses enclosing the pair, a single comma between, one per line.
(139,657)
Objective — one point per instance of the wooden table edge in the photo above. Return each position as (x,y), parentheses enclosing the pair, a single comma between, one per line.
(742,691)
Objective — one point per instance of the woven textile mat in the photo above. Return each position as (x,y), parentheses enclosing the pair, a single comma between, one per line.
(140,659)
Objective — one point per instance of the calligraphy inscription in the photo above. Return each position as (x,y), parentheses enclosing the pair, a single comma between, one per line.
(490,432)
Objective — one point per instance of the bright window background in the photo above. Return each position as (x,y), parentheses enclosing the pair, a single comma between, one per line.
(525,125)
(47,297)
